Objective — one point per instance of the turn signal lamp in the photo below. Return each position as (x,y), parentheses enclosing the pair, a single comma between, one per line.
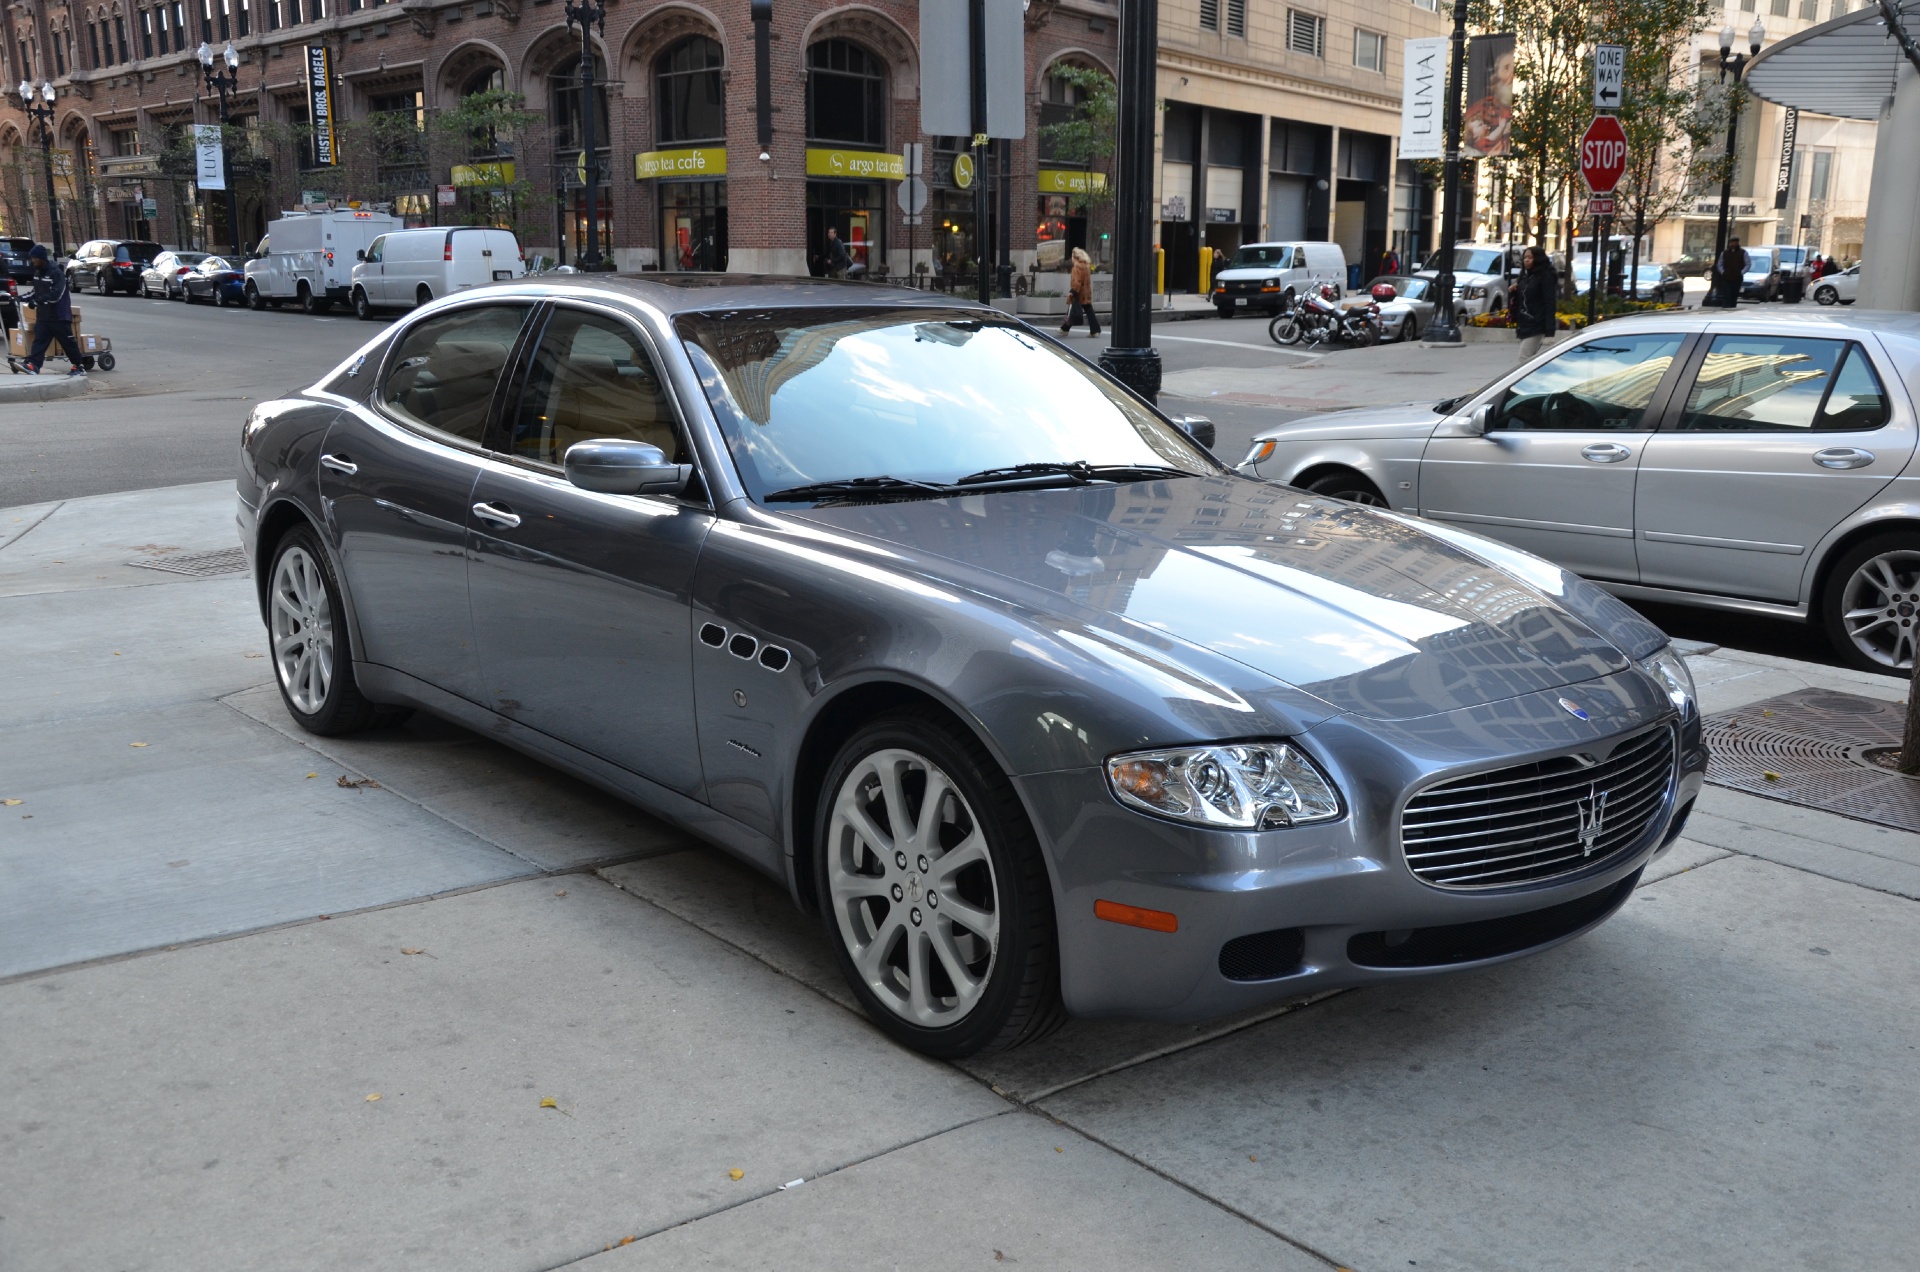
(1261,452)
(1136,916)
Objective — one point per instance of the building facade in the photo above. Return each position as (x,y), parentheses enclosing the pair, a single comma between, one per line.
(685,182)
(1281,121)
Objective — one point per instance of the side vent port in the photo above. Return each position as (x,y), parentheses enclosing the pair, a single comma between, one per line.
(713,634)
(1263,955)
(742,645)
(774,658)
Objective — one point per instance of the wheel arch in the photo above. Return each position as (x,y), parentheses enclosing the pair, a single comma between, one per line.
(276,519)
(1852,537)
(833,721)
(1330,467)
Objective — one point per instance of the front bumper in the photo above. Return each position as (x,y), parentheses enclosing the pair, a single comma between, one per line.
(1267,917)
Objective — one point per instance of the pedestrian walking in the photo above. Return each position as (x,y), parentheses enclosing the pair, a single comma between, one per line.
(1535,301)
(838,261)
(52,314)
(1816,269)
(1733,272)
(1390,262)
(1080,294)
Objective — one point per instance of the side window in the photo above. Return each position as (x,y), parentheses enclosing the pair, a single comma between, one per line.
(1784,384)
(591,379)
(1600,385)
(444,371)
(375,250)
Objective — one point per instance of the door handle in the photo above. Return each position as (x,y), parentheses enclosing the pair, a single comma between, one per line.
(1605,452)
(1843,457)
(339,464)
(496,515)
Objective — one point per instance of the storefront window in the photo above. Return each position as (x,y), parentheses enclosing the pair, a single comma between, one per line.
(693,225)
(856,210)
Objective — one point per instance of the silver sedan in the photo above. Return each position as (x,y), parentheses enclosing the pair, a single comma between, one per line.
(1760,463)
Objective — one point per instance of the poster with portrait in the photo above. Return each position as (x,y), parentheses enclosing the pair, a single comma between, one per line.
(1488,125)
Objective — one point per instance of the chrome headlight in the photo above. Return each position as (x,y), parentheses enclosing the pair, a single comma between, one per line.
(1669,671)
(1474,292)
(1244,786)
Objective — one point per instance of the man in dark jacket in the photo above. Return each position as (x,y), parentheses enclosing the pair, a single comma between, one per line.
(1733,273)
(1536,295)
(52,314)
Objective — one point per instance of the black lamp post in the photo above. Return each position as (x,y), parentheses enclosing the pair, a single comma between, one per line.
(1443,329)
(1131,358)
(38,103)
(223,82)
(1734,64)
(588,14)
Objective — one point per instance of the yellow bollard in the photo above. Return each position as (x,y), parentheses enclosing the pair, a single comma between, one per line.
(1206,270)
(1159,270)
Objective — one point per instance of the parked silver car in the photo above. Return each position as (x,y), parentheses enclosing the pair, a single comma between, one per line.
(1036,704)
(1749,461)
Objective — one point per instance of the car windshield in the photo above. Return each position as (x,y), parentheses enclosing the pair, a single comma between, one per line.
(1759,261)
(806,396)
(212,265)
(1278,256)
(1469,260)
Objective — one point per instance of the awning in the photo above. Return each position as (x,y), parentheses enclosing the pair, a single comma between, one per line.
(1845,67)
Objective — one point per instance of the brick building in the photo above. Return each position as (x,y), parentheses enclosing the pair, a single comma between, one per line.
(685,182)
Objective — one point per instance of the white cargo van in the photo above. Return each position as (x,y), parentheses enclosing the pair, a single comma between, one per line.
(1267,276)
(411,267)
(307,257)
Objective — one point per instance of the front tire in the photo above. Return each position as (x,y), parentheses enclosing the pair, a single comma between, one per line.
(255,301)
(1870,606)
(1284,330)
(307,631)
(933,891)
(1350,486)
(362,307)
(1826,295)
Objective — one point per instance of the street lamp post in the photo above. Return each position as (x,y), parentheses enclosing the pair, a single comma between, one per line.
(222,83)
(38,103)
(1131,358)
(1443,329)
(1734,64)
(588,14)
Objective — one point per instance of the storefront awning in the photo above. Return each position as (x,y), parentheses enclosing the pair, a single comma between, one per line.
(1845,67)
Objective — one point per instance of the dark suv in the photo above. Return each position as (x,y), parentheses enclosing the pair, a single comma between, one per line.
(110,265)
(16,276)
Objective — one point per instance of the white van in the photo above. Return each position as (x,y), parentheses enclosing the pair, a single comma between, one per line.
(1267,276)
(307,257)
(411,267)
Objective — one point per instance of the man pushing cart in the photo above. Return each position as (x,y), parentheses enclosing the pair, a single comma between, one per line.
(52,319)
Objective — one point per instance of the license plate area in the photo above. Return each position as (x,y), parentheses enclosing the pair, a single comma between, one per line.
(1239,300)
(501,275)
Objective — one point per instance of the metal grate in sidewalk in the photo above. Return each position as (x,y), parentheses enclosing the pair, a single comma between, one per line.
(1817,748)
(199,565)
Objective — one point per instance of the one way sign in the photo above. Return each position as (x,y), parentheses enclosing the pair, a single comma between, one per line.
(1609,75)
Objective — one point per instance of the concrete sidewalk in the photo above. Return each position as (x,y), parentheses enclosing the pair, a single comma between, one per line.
(214,962)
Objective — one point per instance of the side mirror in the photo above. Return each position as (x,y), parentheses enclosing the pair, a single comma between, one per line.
(1198,427)
(1478,421)
(613,467)
(360,254)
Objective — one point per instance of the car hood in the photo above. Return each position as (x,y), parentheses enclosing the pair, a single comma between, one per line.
(1248,273)
(1366,612)
(1401,419)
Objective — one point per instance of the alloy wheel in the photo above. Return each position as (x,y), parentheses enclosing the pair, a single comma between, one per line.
(1880,608)
(912,887)
(302,629)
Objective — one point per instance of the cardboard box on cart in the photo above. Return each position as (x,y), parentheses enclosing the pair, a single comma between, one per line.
(27,313)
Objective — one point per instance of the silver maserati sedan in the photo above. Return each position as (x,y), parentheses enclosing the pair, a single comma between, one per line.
(1039,707)
(1756,462)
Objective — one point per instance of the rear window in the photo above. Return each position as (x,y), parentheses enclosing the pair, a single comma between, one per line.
(142,252)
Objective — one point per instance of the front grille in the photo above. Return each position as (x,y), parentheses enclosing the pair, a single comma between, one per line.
(1541,820)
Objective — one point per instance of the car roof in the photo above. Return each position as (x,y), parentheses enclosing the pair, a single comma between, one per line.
(1798,321)
(701,293)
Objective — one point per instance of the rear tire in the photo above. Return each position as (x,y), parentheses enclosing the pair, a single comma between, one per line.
(1870,606)
(939,912)
(1349,485)
(309,303)
(422,295)
(307,635)
(106,361)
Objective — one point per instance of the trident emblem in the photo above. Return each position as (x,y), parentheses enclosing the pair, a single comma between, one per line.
(1593,815)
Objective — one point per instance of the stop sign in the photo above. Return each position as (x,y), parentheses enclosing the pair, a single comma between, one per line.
(1603,154)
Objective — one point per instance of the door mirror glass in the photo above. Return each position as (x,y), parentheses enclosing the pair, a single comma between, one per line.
(1477,421)
(360,254)
(613,466)
(1603,385)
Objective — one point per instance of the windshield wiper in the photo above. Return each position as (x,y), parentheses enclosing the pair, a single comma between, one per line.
(855,487)
(1077,472)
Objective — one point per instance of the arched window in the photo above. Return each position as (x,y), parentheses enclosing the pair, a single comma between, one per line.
(846,94)
(490,80)
(692,103)
(566,118)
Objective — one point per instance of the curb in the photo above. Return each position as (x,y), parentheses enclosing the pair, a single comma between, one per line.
(41,388)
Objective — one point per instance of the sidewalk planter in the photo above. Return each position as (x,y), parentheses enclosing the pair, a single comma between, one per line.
(1043,303)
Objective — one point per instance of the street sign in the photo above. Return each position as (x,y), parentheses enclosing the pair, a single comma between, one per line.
(913,158)
(946,75)
(1600,205)
(911,195)
(963,171)
(1603,154)
(1609,75)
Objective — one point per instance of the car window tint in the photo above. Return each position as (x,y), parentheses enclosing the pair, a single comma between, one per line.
(444,371)
(1603,384)
(591,379)
(1858,401)
(1766,384)
(375,248)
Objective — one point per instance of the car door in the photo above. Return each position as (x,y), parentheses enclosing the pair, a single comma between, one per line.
(397,476)
(1554,472)
(581,601)
(1776,439)
(373,278)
